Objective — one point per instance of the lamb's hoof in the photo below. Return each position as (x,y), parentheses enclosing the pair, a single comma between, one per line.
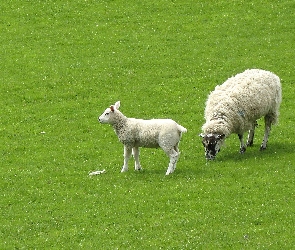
(249,144)
(137,168)
(124,170)
(242,150)
(169,171)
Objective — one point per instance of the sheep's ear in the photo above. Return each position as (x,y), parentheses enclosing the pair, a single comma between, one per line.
(112,108)
(117,105)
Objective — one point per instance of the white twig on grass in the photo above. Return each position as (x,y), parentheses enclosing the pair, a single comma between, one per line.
(97,172)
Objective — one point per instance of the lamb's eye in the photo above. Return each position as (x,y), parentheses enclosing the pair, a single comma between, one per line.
(107,113)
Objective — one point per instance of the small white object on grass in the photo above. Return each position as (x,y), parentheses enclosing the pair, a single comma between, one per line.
(97,172)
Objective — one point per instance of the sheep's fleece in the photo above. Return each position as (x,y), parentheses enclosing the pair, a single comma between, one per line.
(234,107)
(135,133)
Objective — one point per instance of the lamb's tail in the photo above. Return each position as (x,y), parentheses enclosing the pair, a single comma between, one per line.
(181,129)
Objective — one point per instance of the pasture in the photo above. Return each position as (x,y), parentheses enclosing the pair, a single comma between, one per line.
(63,62)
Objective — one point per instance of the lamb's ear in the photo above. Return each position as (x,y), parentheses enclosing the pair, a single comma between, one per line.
(117,105)
(112,108)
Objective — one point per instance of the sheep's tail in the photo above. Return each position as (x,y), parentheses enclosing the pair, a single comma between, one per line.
(181,129)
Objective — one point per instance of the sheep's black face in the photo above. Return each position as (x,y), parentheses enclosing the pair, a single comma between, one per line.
(212,144)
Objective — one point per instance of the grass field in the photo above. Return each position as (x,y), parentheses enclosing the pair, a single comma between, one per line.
(63,62)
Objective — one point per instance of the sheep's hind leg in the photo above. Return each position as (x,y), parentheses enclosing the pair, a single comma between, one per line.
(135,152)
(127,154)
(173,154)
(242,145)
(267,121)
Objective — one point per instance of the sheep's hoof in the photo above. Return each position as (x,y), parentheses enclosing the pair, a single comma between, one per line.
(242,150)
(124,170)
(262,148)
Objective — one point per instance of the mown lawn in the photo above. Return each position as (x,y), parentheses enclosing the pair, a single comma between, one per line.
(63,62)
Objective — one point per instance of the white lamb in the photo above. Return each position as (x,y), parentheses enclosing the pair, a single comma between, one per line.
(234,107)
(135,133)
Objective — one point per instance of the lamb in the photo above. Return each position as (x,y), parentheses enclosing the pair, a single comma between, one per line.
(235,106)
(135,133)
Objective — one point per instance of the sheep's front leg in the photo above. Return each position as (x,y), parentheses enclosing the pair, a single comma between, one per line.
(242,145)
(251,135)
(173,155)
(135,152)
(127,154)
(250,138)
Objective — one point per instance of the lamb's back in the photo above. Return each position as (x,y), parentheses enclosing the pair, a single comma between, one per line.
(146,133)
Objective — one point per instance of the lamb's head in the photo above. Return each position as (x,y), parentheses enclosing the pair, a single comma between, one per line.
(108,116)
(212,144)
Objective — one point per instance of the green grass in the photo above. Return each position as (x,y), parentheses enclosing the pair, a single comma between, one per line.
(63,62)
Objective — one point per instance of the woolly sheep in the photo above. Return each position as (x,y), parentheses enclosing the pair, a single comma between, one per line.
(235,106)
(135,133)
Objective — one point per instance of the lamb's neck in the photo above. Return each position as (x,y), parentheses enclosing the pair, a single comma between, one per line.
(120,123)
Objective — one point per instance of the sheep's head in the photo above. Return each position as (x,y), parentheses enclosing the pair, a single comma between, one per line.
(107,115)
(212,144)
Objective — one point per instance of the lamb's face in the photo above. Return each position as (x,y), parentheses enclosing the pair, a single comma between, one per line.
(105,117)
(212,144)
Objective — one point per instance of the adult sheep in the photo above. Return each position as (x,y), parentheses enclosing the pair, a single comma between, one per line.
(235,106)
(135,133)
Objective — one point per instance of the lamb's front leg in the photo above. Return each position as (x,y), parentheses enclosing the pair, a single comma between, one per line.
(127,154)
(242,145)
(135,152)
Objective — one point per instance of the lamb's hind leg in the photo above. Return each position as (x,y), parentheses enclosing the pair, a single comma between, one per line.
(173,154)
(135,152)
(127,154)
(267,121)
